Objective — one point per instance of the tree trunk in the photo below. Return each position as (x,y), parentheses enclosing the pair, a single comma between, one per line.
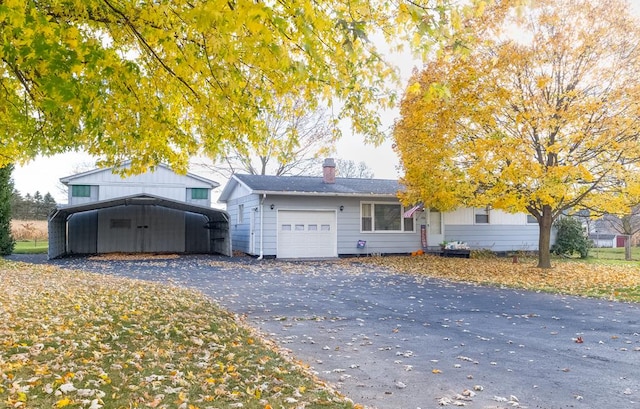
(544,240)
(627,248)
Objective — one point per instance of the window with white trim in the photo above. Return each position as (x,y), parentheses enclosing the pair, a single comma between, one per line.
(240,213)
(385,217)
(80,190)
(198,193)
(481,216)
(531,219)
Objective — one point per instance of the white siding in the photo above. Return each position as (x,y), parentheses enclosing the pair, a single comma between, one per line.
(242,237)
(348,225)
(95,195)
(239,192)
(459,216)
(466,216)
(495,237)
(162,182)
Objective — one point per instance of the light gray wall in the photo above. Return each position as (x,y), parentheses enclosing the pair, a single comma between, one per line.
(240,232)
(348,224)
(496,237)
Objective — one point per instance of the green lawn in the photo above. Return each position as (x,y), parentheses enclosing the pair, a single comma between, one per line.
(31,247)
(599,253)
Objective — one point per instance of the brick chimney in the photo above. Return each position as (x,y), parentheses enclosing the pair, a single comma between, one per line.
(329,171)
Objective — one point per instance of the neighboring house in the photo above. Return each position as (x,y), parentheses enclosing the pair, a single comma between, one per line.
(606,240)
(304,217)
(158,211)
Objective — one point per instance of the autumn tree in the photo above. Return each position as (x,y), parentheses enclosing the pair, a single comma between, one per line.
(291,145)
(155,82)
(540,116)
(626,224)
(346,168)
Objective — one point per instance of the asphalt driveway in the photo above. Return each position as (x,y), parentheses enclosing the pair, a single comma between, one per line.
(396,341)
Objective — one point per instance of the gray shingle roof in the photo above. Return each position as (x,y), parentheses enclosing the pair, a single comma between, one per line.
(310,184)
(602,236)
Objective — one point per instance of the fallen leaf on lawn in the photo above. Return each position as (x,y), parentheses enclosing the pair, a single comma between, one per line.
(63,402)
(573,278)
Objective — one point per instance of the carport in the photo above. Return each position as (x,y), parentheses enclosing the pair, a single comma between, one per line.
(140,223)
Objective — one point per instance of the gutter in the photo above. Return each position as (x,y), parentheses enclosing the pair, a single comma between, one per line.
(323,194)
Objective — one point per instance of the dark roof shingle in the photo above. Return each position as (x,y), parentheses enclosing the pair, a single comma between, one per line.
(311,184)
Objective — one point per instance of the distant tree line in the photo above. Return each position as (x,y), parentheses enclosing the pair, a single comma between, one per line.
(31,207)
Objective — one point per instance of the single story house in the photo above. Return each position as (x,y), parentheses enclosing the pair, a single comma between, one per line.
(607,240)
(328,216)
(155,212)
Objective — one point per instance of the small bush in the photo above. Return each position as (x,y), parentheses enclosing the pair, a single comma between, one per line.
(570,238)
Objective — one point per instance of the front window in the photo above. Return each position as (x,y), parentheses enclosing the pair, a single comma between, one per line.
(385,217)
(481,216)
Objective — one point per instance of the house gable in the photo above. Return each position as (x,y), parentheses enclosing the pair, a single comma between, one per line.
(104,184)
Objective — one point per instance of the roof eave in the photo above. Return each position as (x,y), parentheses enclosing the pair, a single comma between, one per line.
(328,194)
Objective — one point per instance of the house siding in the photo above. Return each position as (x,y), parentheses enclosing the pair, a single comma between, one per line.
(348,225)
(162,182)
(466,216)
(495,237)
(241,232)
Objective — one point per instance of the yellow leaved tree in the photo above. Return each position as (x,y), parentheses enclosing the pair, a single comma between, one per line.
(540,115)
(159,81)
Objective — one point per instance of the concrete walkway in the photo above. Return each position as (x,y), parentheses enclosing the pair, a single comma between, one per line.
(395,341)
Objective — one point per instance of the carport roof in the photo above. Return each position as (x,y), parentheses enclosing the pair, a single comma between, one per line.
(310,185)
(213,214)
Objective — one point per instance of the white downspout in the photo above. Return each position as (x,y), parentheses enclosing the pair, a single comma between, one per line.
(264,196)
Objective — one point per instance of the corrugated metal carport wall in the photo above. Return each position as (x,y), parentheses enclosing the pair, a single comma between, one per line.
(138,224)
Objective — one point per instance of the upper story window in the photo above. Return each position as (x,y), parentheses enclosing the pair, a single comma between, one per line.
(199,193)
(531,219)
(385,217)
(80,190)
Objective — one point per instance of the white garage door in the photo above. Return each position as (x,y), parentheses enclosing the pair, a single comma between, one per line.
(304,233)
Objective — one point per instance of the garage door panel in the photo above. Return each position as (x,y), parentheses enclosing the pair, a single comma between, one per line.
(304,234)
